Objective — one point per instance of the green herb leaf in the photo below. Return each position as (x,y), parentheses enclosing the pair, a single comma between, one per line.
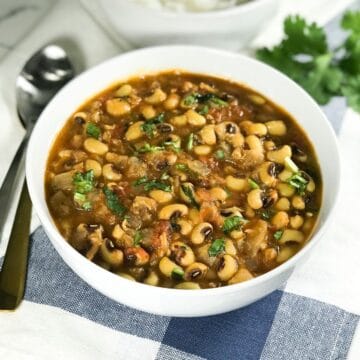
(278,234)
(188,192)
(152,184)
(298,182)
(84,182)
(138,238)
(216,247)
(351,91)
(220,154)
(289,163)
(233,223)
(113,202)
(253,184)
(190,142)
(93,130)
(174,145)
(182,167)
(204,110)
(177,273)
(266,214)
(150,148)
(149,127)
(208,99)
(81,200)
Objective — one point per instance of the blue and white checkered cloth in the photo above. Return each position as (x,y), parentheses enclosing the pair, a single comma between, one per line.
(313,317)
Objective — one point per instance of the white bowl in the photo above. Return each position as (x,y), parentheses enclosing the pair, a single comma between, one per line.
(256,75)
(230,28)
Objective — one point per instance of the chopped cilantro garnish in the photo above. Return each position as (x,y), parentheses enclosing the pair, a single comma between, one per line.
(83,184)
(137,238)
(289,163)
(152,184)
(113,202)
(253,184)
(208,99)
(182,167)
(149,127)
(150,148)
(305,56)
(277,234)
(177,273)
(174,145)
(190,195)
(204,110)
(93,130)
(190,142)
(220,154)
(298,182)
(216,247)
(232,223)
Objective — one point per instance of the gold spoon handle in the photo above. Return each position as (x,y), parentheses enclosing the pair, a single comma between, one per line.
(13,272)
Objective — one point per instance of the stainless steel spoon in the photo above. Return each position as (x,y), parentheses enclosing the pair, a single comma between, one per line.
(43,75)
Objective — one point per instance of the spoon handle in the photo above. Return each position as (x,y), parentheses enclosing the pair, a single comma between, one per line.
(10,189)
(13,272)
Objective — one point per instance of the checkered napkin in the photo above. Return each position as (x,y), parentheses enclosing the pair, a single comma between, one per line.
(313,317)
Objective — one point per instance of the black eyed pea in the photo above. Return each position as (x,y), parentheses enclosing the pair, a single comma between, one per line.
(296,221)
(283,204)
(280,220)
(285,175)
(226,267)
(182,253)
(308,224)
(148,111)
(126,276)
(291,235)
(124,90)
(194,118)
(152,279)
(113,256)
(134,132)
(201,232)
(254,143)
(276,127)
(285,253)
(310,186)
(237,234)
(94,146)
(188,285)
(173,211)
(110,173)
(298,202)
(157,97)
(218,193)
(207,134)
(231,211)
(202,150)
(257,99)
(93,165)
(280,155)
(161,196)
(235,140)
(226,128)
(257,129)
(194,216)
(202,255)
(236,184)
(180,120)
(117,107)
(185,227)
(196,271)
(230,247)
(267,173)
(269,145)
(285,189)
(249,212)
(172,102)
(80,117)
(254,199)
(243,274)
(166,266)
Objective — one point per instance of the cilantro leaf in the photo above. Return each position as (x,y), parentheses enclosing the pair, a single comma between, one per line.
(351,91)
(84,182)
(113,202)
(149,127)
(152,184)
(232,223)
(216,247)
(177,273)
(253,184)
(149,148)
(278,234)
(190,195)
(93,130)
(298,182)
(137,238)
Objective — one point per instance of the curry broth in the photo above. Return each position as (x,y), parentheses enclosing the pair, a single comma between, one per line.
(190,140)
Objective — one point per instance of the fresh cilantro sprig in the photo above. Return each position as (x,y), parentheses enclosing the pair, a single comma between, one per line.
(216,247)
(93,130)
(305,56)
(113,202)
(83,184)
(233,223)
(149,127)
(190,195)
(152,184)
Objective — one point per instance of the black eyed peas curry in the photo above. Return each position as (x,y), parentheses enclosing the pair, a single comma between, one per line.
(183,180)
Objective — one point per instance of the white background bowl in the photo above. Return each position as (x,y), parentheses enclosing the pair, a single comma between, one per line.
(256,75)
(230,28)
